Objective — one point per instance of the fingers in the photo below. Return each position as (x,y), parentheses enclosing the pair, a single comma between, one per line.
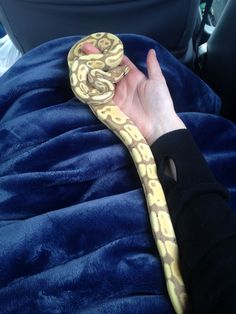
(129,63)
(89,48)
(153,67)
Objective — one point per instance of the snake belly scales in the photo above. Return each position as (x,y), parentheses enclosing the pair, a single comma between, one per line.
(92,78)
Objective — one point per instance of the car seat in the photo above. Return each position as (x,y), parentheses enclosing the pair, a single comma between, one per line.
(170,22)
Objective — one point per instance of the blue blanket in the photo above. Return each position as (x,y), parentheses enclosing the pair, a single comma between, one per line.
(74,231)
(2,31)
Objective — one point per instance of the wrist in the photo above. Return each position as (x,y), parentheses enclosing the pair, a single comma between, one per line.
(165,125)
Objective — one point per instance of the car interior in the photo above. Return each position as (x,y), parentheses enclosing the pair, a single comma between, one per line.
(191,33)
(74,233)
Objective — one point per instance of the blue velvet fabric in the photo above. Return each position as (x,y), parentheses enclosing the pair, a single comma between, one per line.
(74,231)
(2,31)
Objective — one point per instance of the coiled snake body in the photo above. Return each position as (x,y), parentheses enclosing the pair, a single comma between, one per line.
(92,80)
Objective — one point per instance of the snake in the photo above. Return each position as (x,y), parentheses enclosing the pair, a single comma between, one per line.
(93,78)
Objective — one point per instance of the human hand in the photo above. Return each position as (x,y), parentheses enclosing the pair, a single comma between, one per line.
(145,100)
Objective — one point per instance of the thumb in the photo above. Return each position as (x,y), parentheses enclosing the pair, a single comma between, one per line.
(153,67)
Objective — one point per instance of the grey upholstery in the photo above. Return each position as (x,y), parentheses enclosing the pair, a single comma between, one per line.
(220,65)
(32,22)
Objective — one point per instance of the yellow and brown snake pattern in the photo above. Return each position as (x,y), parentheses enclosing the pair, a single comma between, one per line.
(92,80)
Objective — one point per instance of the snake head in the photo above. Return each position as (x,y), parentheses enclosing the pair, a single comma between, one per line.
(119,72)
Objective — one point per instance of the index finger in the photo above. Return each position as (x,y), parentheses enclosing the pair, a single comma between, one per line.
(129,63)
(89,48)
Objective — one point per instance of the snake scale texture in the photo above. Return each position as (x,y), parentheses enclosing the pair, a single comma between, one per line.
(93,78)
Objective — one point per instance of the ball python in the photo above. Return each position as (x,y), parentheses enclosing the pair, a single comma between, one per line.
(92,79)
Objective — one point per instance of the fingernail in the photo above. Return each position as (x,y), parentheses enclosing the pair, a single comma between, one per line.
(154,52)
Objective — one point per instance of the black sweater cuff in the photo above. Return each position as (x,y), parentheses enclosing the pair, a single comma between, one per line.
(194,176)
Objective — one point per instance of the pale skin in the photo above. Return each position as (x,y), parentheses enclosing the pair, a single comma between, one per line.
(145,100)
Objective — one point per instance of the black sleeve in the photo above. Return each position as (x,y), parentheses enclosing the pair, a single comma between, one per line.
(204,224)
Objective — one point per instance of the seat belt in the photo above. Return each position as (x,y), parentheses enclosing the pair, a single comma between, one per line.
(202,25)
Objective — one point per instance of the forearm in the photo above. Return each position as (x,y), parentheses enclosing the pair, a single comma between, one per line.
(168,121)
(203,222)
